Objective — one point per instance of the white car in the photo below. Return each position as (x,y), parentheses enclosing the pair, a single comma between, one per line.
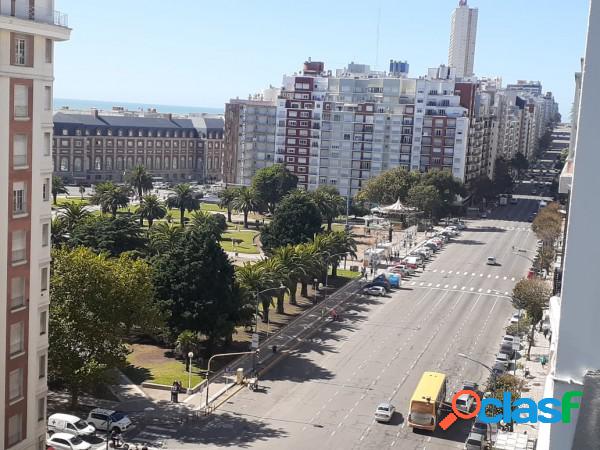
(65,441)
(107,419)
(384,412)
(491,261)
(375,290)
(515,317)
(464,403)
(66,423)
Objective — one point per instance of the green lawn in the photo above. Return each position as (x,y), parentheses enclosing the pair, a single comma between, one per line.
(347,273)
(163,372)
(246,246)
(212,207)
(62,200)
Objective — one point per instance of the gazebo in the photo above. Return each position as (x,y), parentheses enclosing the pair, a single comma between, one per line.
(397,208)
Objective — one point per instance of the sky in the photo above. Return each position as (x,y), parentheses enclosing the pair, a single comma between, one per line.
(202,53)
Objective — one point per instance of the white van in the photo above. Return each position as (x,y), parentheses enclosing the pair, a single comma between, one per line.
(66,423)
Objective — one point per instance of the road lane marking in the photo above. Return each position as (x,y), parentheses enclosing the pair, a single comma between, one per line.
(473,274)
(472,289)
(434,270)
(489,276)
(454,287)
(512,279)
(429,284)
(462,288)
(449,271)
(442,271)
(466,273)
(479,290)
(505,293)
(480,275)
(488,291)
(504,278)
(421,283)
(437,285)
(497,277)
(445,286)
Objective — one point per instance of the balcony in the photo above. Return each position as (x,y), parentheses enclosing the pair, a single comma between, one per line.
(39,14)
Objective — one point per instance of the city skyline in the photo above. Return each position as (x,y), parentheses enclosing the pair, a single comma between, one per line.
(217,52)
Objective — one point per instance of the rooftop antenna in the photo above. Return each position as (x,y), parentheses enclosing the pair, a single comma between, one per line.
(377,38)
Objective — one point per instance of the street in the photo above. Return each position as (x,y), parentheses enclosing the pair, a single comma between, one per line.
(324,394)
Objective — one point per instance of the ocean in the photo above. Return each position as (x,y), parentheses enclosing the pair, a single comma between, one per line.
(85,105)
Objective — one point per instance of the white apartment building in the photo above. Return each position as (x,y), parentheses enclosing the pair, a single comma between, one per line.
(463,33)
(575,361)
(28,31)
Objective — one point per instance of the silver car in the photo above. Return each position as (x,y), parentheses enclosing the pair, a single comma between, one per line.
(384,412)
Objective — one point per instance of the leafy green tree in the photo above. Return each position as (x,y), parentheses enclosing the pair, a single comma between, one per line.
(226,200)
(110,197)
(503,182)
(532,297)
(520,328)
(340,243)
(519,163)
(105,234)
(60,231)
(254,278)
(184,198)
(425,198)
(140,180)
(447,187)
(73,213)
(89,315)
(151,208)
(211,224)
(295,268)
(162,237)
(547,225)
(297,219)
(187,341)
(330,203)
(311,259)
(195,281)
(58,187)
(245,201)
(273,183)
(481,189)
(390,186)
(497,386)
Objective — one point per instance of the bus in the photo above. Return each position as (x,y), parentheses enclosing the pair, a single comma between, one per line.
(427,400)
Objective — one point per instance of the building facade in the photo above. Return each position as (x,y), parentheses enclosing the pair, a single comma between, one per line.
(211,132)
(463,33)
(96,147)
(28,32)
(250,128)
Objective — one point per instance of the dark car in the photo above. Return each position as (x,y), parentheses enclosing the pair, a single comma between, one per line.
(531,217)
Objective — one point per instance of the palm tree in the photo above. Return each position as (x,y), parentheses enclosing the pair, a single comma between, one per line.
(311,260)
(163,236)
(110,197)
(254,278)
(73,213)
(184,198)
(245,201)
(58,187)
(329,202)
(340,242)
(140,180)
(295,267)
(226,199)
(151,208)
(277,274)
(60,232)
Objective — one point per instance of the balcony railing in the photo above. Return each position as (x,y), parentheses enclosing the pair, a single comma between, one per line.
(41,15)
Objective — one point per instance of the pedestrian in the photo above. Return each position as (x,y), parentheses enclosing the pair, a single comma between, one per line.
(114,436)
(546,333)
(175,392)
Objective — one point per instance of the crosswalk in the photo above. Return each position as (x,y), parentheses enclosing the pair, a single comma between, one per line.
(461,273)
(455,287)
(507,228)
(154,436)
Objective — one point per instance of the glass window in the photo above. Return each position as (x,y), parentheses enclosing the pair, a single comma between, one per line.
(41,410)
(15,383)
(64,164)
(20,150)
(108,163)
(45,234)
(19,198)
(48,98)
(44,279)
(17,292)
(46,190)
(21,101)
(19,246)
(97,163)
(42,366)
(47,144)
(20,51)
(77,164)
(43,322)
(17,340)
(15,429)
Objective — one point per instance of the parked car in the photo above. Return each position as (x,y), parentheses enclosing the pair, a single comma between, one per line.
(516,317)
(464,403)
(67,423)
(484,215)
(475,441)
(413,262)
(512,339)
(66,441)
(508,348)
(384,412)
(491,261)
(402,269)
(104,419)
(432,245)
(502,358)
(514,201)
(381,280)
(375,290)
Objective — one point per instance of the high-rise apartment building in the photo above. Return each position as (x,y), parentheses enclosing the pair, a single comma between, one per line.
(463,32)
(28,31)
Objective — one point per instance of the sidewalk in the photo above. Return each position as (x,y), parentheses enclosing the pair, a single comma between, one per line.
(534,383)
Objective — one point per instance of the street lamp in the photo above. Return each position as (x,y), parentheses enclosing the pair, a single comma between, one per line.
(190,356)
(492,374)
(280,287)
(315,288)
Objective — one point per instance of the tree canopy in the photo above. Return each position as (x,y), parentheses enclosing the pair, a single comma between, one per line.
(110,197)
(297,219)
(503,182)
(95,301)
(58,187)
(105,234)
(273,183)
(390,186)
(330,203)
(532,297)
(425,198)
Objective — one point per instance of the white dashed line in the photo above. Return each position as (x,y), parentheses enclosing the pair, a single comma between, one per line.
(479,290)
(449,271)
(480,275)
(437,285)
(466,273)
(506,293)
(445,286)
(454,287)
(421,283)
(504,278)
(488,291)
(473,274)
(462,288)
(512,279)
(442,271)
(497,277)
(429,284)
(489,276)
(434,270)
(472,289)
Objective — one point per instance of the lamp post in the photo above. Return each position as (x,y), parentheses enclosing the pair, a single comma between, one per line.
(190,356)
(492,374)
(315,288)
(281,286)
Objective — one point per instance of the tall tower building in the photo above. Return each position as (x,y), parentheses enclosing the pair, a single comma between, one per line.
(28,31)
(461,54)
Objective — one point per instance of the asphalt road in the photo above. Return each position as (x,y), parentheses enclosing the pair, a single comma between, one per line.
(325,393)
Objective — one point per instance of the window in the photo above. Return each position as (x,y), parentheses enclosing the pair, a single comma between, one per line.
(20,150)
(77,164)
(45,234)
(47,144)
(17,341)
(42,366)
(19,246)
(97,163)
(44,279)
(19,198)
(21,101)
(64,164)
(47,98)
(41,413)
(15,429)
(43,322)
(46,190)
(20,56)
(129,162)
(17,292)
(108,163)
